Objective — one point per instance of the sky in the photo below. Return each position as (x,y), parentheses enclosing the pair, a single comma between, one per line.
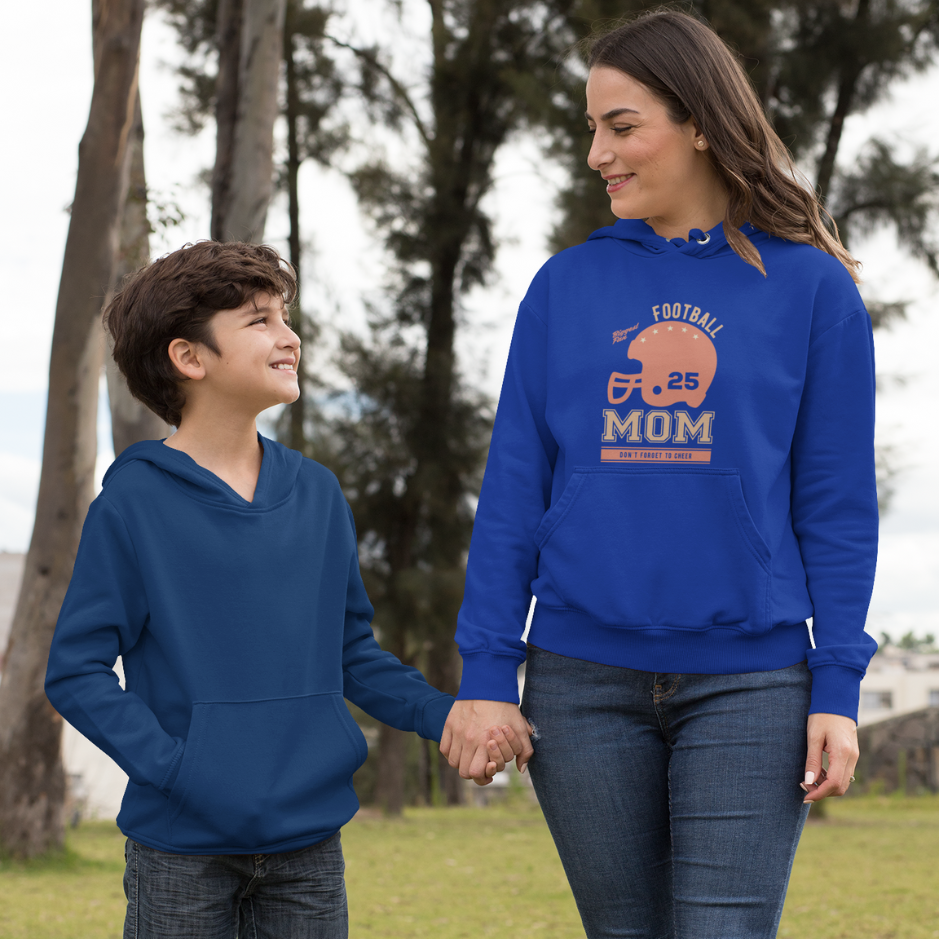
(47,107)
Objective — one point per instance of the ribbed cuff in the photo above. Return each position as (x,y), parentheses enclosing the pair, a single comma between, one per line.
(488,677)
(434,716)
(835,690)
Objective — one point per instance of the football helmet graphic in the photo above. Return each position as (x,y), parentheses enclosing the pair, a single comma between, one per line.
(678,364)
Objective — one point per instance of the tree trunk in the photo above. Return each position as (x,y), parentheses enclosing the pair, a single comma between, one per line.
(246,109)
(392,765)
(130,419)
(230,13)
(443,669)
(296,433)
(847,85)
(32,782)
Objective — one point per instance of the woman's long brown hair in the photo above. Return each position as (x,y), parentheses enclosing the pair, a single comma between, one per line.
(689,68)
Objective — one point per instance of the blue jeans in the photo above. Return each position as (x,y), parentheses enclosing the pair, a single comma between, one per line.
(673,800)
(294,895)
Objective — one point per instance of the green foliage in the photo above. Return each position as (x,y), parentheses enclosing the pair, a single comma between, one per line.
(879,190)
(910,642)
(196,25)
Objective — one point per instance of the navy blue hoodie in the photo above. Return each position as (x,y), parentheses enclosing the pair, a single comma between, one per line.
(681,468)
(241,626)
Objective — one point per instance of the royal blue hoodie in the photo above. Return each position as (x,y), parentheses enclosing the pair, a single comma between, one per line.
(241,626)
(681,468)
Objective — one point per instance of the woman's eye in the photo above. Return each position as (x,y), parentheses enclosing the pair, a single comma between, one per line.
(591,130)
(622,129)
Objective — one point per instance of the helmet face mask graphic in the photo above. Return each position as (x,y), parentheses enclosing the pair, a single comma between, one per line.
(678,365)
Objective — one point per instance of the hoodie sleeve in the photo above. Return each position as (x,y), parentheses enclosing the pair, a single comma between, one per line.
(378,682)
(104,611)
(516,493)
(834,508)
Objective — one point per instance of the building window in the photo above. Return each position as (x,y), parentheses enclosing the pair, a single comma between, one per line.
(934,697)
(877,700)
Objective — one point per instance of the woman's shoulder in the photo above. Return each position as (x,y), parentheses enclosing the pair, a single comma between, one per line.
(812,275)
(809,260)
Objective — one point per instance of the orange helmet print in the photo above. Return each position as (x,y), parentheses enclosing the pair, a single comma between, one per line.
(678,365)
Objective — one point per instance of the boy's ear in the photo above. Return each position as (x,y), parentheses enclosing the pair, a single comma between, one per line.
(188,358)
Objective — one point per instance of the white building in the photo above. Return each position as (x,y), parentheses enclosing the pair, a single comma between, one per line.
(897,682)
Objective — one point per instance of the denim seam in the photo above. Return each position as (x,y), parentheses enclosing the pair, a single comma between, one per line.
(671,691)
(136,890)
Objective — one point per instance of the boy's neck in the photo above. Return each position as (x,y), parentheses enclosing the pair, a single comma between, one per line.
(226,446)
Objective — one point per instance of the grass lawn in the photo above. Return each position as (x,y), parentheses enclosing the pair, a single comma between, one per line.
(869,871)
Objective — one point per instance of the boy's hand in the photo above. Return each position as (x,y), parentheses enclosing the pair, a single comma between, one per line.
(495,765)
(470,729)
(501,748)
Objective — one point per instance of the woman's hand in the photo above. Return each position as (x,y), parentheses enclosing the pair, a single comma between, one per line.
(836,736)
(473,726)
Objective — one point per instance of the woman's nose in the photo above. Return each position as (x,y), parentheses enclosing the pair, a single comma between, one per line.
(599,155)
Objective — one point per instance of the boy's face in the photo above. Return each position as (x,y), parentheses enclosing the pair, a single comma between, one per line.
(259,354)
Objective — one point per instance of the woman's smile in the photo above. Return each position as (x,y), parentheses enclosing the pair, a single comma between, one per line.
(615,183)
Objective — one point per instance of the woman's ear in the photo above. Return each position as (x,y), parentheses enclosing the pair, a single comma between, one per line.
(698,140)
(187,358)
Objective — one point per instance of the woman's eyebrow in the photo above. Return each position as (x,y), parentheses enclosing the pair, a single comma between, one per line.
(611,114)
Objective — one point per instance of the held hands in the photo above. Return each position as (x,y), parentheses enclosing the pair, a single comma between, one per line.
(481,737)
(836,736)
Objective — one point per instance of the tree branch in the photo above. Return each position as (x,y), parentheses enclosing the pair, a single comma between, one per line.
(396,86)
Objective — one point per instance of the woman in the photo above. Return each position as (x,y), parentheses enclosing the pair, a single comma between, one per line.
(682,473)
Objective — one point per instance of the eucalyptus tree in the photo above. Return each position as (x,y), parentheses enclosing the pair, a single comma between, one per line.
(232,74)
(32,781)
(131,420)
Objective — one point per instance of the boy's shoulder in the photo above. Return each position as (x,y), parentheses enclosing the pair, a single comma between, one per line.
(134,470)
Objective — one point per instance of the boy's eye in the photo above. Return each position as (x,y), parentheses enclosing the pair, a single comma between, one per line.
(260,319)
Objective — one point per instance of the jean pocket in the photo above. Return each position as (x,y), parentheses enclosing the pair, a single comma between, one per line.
(662,548)
(264,772)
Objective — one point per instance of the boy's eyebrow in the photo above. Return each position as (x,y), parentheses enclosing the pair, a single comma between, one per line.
(611,114)
(266,308)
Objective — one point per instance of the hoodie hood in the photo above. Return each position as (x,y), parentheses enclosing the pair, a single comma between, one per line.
(276,480)
(639,237)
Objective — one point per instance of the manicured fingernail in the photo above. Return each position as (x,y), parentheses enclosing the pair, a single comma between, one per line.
(803,787)
(809,778)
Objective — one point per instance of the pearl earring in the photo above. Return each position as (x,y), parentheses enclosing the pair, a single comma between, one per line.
(700,143)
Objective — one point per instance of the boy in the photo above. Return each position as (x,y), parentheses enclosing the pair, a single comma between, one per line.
(222,568)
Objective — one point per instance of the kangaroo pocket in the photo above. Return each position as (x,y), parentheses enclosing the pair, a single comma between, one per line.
(259,773)
(656,548)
